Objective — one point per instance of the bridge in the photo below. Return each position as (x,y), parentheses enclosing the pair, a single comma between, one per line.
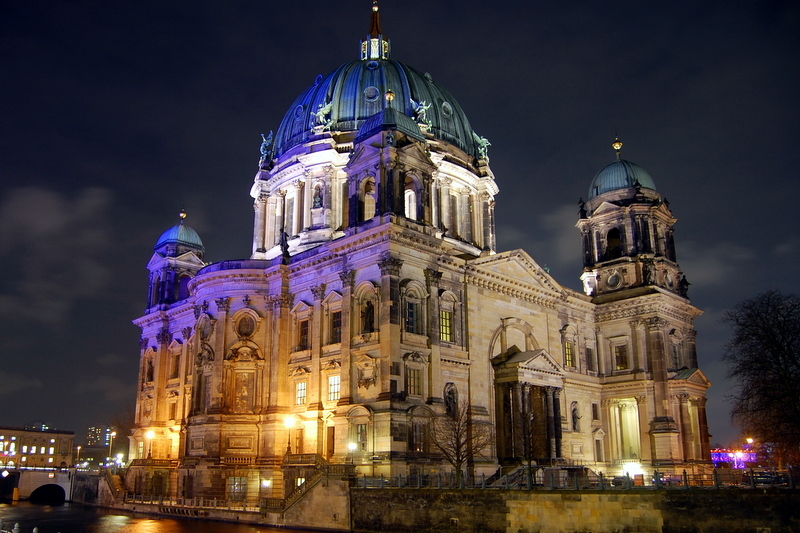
(46,485)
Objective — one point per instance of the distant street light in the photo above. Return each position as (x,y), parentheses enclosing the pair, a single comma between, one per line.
(78,459)
(111,444)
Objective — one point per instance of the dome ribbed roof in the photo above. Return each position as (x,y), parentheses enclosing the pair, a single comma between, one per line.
(180,234)
(620,174)
(344,99)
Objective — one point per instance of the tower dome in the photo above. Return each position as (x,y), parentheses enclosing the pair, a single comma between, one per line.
(620,174)
(178,239)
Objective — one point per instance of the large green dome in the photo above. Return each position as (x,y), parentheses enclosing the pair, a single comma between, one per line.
(344,99)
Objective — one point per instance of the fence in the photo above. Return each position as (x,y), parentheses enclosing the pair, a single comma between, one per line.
(583,479)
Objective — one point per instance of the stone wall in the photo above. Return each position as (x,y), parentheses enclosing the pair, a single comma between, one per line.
(661,511)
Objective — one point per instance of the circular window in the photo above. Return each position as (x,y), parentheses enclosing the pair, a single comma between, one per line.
(372,65)
(371,93)
(246,326)
(614,280)
(447,109)
(298,111)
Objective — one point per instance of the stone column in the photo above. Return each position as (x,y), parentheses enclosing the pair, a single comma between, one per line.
(640,361)
(705,437)
(316,385)
(388,320)
(307,191)
(259,227)
(551,423)
(644,428)
(435,384)
(160,375)
(447,217)
(220,338)
(686,428)
(690,356)
(348,277)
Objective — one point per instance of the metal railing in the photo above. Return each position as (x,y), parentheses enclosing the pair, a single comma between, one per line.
(563,479)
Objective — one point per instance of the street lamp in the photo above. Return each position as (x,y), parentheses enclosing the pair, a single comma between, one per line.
(150,434)
(351,446)
(289,423)
(111,443)
(78,459)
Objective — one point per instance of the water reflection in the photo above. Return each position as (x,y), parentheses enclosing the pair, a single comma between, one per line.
(69,518)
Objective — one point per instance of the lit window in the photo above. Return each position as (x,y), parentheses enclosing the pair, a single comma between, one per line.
(25,449)
(333,388)
(446,325)
(569,358)
(336,327)
(49,459)
(237,488)
(621,357)
(414,382)
(51,450)
(300,393)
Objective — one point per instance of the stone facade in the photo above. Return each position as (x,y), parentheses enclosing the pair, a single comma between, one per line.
(374,301)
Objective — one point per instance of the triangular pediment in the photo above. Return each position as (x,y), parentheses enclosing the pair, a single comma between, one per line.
(517,266)
(186,260)
(605,207)
(535,360)
(691,375)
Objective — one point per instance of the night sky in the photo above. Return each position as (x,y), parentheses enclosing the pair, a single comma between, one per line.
(116,115)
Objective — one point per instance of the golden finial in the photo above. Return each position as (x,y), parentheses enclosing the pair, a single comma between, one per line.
(182,215)
(389,96)
(617,145)
(374,5)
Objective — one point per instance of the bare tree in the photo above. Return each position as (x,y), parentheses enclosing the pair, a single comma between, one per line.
(458,437)
(764,359)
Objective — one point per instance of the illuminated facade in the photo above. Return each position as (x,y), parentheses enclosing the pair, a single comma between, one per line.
(374,299)
(28,448)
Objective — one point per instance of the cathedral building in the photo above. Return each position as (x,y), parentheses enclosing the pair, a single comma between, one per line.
(374,301)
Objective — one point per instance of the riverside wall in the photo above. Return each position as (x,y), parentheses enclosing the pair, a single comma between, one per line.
(644,511)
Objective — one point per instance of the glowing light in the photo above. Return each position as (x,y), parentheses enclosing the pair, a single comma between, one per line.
(289,421)
(352,446)
(266,483)
(633,469)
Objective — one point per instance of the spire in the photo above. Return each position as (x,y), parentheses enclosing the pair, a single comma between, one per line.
(375,46)
(375,28)
(617,145)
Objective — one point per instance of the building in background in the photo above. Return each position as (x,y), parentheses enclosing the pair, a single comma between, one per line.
(374,300)
(34,447)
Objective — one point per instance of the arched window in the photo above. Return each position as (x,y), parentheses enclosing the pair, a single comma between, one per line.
(411,197)
(367,197)
(613,244)
(183,286)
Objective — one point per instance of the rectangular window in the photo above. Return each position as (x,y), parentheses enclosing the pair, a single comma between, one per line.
(336,327)
(333,388)
(300,393)
(595,412)
(569,358)
(173,410)
(621,357)
(302,335)
(412,317)
(361,437)
(676,356)
(237,488)
(590,360)
(413,382)
(445,325)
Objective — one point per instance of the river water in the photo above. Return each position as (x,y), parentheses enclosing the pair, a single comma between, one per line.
(70,518)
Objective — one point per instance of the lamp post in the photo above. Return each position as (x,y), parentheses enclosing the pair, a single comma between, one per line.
(78,458)
(351,446)
(111,444)
(289,423)
(150,434)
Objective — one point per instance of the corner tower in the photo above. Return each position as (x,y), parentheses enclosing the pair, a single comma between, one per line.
(627,233)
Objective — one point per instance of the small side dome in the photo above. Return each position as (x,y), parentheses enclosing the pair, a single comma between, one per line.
(620,174)
(180,235)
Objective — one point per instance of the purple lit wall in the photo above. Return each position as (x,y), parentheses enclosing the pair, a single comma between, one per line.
(736,458)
